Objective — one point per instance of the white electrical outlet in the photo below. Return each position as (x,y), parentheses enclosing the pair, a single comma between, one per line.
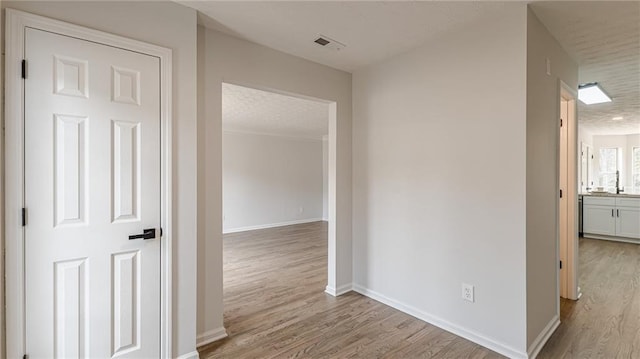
(467,292)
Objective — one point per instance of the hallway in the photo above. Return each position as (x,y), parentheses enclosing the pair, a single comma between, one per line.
(605,322)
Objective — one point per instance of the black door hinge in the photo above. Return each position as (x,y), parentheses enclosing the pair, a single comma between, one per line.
(161,232)
(560,122)
(560,193)
(24,69)
(25,356)
(560,264)
(24,216)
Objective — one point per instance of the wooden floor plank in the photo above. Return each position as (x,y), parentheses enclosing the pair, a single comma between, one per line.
(605,322)
(275,307)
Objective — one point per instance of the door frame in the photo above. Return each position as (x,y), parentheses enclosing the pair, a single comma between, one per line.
(569,275)
(16,23)
(331,288)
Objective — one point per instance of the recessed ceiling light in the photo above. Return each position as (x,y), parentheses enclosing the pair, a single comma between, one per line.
(617,118)
(591,93)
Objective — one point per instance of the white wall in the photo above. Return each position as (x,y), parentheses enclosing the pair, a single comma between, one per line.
(270,180)
(585,136)
(625,144)
(225,58)
(325,178)
(434,206)
(543,110)
(173,26)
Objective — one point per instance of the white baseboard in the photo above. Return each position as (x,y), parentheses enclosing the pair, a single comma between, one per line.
(345,288)
(611,238)
(270,225)
(542,338)
(210,336)
(192,355)
(443,324)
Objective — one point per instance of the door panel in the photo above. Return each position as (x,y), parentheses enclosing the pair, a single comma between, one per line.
(628,222)
(599,220)
(92,178)
(126,158)
(70,167)
(71,304)
(126,301)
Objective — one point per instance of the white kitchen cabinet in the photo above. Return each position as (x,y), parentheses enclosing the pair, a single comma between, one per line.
(628,217)
(628,222)
(599,219)
(611,216)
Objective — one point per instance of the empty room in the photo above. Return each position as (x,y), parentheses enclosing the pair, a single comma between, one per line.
(320,179)
(275,190)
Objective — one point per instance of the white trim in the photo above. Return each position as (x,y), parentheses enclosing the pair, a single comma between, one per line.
(304,138)
(193,355)
(611,238)
(336,292)
(2,236)
(210,336)
(541,340)
(16,22)
(443,324)
(572,248)
(271,225)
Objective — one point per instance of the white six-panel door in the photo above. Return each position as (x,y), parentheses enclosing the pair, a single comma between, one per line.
(92,179)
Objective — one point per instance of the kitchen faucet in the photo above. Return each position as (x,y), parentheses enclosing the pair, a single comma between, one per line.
(617,182)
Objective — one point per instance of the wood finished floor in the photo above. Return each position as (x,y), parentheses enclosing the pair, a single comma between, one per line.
(275,307)
(605,322)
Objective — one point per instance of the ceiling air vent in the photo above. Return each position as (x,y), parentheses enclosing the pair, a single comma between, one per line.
(329,43)
(322,41)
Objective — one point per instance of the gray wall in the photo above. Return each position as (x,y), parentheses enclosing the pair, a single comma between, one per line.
(439,180)
(270,180)
(229,59)
(543,110)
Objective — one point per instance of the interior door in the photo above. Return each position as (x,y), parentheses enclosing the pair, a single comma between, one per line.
(92,179)
(563,231)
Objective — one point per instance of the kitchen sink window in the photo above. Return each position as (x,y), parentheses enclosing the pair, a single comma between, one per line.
(608,168)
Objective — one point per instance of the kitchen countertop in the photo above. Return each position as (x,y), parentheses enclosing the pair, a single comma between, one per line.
(628,195)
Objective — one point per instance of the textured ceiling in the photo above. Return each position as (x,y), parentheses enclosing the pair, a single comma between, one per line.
(371,30)
(249,110)
(604,38)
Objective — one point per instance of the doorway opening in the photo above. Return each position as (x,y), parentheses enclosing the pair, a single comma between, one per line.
(568,209)
(278,170)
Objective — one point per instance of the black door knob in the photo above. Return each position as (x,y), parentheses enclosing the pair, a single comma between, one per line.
(147,234)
